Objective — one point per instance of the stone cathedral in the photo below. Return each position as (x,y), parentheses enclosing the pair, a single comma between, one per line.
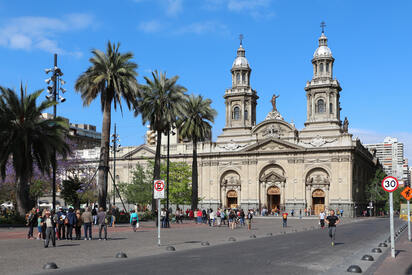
(272,163)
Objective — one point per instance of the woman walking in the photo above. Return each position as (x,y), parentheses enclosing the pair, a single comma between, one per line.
(134,220)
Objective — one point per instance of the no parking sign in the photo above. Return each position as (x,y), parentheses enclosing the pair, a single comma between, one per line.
(159,189)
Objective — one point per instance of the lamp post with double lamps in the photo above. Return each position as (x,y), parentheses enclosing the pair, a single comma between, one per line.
(55,83)
(116,148)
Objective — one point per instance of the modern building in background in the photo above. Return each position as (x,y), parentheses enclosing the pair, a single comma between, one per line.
(391,155)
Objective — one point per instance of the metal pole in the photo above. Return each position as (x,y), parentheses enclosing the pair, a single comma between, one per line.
(167,170)
(409,221)
(114,163)
(158,222)
(391,225)
(54,116)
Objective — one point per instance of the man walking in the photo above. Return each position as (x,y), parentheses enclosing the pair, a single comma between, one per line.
(102,222)
(322,219)
(249,219)
(332,221)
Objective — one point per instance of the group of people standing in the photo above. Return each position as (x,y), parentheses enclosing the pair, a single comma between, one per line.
(60,225)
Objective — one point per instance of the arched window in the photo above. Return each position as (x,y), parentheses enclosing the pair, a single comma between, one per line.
(320,106)
(330,108)
(244,78)
(238,78)
(236,113)
(327,67)
(321,67)
(246,114)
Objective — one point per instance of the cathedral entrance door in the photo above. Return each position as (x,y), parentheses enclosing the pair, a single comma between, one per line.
(231,199)
(318,201)
(273,198)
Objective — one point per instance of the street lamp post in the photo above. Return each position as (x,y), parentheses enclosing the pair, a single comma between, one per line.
(53,91)
(115,149)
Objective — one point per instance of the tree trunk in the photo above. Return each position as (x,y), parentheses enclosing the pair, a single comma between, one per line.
(156,170)
(104,155)
(195,198)
(22,195)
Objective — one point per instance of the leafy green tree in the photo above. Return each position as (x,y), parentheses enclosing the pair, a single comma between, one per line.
(112,76)
(70,191)
(160,103)
(375,193)
(179,182)
(28,139)
(38,188)
(139,191)
(195,125)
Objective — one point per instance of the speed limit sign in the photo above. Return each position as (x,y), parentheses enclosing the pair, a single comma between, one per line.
(390,184)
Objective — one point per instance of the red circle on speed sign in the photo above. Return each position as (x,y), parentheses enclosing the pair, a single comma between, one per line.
(159,185)
(390,184)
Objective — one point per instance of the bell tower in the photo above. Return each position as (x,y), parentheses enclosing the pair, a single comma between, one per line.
(241,99)
(322,92)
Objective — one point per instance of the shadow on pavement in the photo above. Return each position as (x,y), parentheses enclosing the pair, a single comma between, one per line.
(69,244)
(397,252)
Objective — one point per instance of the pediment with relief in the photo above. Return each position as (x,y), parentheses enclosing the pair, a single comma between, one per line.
(272,145)
(141,151)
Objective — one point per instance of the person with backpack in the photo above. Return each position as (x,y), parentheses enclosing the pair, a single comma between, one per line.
(134,220)
(249,219)
(285,219)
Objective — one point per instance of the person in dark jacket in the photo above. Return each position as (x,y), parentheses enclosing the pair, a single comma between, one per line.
(31,222)
(61,229)
(102,221)
(72,220)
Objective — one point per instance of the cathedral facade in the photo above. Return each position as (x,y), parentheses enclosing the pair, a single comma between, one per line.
(272,163)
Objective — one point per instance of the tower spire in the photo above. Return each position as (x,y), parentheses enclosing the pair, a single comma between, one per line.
(241,39)
(323,25)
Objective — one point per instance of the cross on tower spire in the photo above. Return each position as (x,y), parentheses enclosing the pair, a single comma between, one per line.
(241,39)
(323,25)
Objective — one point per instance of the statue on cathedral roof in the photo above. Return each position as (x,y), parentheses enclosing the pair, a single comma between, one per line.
(274,101)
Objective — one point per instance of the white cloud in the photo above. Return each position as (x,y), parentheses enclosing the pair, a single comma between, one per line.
(258,9)
(203,27)
(35,32)
(368,136)
(150,26)
(174,7)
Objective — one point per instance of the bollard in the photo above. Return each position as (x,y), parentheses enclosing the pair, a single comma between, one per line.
(354,269)
(253,236)
(367,258)
(170,248)
(382,245)
(232,239)
(377,250)
(50,265)
(121,255)
(205,243)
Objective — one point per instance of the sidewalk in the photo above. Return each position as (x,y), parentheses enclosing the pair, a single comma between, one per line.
(402,263)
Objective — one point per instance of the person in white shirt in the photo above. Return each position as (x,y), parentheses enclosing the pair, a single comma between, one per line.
(322,219)
(211,218)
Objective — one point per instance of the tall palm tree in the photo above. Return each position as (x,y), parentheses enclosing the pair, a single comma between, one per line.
(195,126)
(27,139)
(160,103)
(112,76)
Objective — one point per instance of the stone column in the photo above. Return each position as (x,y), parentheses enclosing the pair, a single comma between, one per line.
(308,196)
(313,107)
(326,197)
(239,197)
(283,194)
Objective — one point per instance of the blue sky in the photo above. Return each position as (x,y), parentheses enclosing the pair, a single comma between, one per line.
(197,40)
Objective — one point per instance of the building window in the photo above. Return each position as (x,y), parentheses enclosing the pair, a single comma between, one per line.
(244,78)
(238,78)
(327,67)
(320,106)
(330,108)
(236,113)
(246,114)
(321,67)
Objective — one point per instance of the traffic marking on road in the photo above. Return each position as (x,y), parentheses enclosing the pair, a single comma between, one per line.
(407,193)
(390,184)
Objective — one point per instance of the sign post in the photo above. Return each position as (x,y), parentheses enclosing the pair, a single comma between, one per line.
(407,194)
(158,193)
(390,184)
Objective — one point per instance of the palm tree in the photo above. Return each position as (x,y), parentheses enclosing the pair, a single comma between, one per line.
(112,76)
(160,104)
(195,126)
(27,139)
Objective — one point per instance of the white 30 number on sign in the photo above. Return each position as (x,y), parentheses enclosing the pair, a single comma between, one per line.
(390,184)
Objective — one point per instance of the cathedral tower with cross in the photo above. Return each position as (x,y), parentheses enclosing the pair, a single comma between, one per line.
(323,91)
(240,99)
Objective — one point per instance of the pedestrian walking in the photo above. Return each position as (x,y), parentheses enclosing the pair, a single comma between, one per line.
(50,222)
(78,225)
(31,219)
(211,218)
(322,219)
(285,219)
(300,213)
(39,226)
(332,220)
(71,223)
(87,220)
(232,219)
(134,220)
(249,219)
(61,229)
(218,217)
(102,222)
(292,212)
(177,215)
(94,214)
(198,216)
(341,213)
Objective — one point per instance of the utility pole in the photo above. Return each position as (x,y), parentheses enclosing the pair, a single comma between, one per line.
(53,91)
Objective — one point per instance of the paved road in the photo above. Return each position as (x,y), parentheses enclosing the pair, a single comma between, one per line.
(306,252)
